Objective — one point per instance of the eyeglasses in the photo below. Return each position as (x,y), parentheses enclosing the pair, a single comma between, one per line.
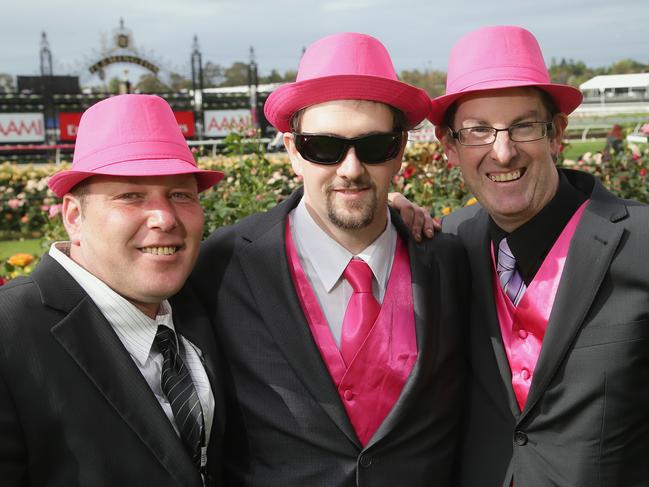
(484,135)
(330,149)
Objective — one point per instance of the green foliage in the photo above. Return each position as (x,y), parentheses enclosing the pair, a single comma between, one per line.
(256,181)
(624,173)
(574,73)
(428,179)
(433,82)
(253,182)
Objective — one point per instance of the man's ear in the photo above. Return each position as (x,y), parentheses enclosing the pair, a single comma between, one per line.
(293,155)
(71,212)
(447,142)
(556,137)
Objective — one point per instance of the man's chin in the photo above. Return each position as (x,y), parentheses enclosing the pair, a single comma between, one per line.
(351,219)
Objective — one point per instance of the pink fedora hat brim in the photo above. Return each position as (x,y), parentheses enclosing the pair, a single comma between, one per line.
(63,181)
(567,98)
(282,104)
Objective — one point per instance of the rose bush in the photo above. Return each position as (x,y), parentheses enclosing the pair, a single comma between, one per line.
(256,181)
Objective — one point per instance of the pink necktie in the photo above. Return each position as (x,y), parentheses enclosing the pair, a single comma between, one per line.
(361,312)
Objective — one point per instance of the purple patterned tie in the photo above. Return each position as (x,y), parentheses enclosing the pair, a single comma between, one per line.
(510,279)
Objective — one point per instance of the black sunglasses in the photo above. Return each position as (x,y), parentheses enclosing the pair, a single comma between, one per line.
(330,149)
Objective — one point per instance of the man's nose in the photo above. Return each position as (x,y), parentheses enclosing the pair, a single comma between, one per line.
(350,167)
(162,215)
(503,148)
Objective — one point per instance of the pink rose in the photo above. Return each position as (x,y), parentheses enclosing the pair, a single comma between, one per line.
(54,210)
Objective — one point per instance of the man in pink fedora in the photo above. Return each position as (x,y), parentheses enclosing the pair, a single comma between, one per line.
(100,383)
(344,337)
(560,312)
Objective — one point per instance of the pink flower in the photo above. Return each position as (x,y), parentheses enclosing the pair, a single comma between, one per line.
(643,172)
(54,210)
(13,203)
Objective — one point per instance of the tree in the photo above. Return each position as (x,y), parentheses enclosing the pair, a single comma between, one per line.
(236,75)
(212,75)
(627,66)
(150,83)
(431,81)
(114,85)
(178,82)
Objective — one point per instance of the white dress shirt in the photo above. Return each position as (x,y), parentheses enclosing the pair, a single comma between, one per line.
(324,260)
(137,332)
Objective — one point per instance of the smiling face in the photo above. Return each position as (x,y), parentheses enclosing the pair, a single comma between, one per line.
(139,235)
(512,180)
(347,199)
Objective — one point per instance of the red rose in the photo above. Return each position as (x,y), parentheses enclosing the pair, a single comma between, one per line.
(643,172)
(408,171)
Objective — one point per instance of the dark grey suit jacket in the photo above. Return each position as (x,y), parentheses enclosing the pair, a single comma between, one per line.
(586,420)
(74,408)
(290,427)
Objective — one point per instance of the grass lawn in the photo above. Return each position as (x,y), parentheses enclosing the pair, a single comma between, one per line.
(580,147)
(10,247)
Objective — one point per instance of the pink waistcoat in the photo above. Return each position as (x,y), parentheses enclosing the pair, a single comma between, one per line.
(372,383)
(523,327)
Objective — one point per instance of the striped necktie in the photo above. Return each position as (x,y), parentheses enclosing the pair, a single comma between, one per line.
(510,279)
(177,385)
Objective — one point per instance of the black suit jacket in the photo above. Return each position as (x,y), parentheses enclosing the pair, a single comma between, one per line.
(586,420)
(74,408)
(290,427)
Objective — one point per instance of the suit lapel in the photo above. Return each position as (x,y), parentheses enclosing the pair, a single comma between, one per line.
(495,376)
(88,338)
(591,251)
(265,265)
(425,287)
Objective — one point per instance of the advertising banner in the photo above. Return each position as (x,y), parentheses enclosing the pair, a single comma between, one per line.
(186,123)
(21,127)
(219,123)
(69,123)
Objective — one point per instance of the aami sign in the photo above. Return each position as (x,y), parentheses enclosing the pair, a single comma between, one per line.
(22,127)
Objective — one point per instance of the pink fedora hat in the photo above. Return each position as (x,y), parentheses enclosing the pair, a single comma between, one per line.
(130,135)
(499,57)
(346,66)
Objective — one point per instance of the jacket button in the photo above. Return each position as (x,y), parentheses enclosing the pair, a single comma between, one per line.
(365,461)
(520,438)
(348,394)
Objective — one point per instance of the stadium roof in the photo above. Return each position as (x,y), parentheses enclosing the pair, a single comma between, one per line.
(609,81)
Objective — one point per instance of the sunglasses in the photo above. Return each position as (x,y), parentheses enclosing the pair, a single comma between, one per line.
(330,149)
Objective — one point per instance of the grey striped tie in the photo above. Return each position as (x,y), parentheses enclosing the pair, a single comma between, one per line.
(510,279)
(180,391)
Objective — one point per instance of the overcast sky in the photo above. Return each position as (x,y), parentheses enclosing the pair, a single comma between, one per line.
(418,34)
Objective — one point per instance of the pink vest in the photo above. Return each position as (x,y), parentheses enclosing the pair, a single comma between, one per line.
(372,383)
(523,327)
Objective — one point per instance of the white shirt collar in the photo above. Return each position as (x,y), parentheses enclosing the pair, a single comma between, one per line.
(329,258)
(135,329)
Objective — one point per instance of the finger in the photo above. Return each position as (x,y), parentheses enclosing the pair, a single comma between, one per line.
(418,223)
(429,226)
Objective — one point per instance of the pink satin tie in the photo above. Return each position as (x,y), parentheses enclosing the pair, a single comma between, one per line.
(361,312)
